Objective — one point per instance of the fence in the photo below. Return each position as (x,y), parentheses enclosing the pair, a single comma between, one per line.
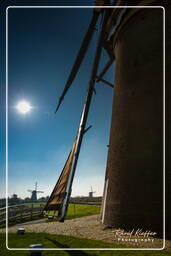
(21,212)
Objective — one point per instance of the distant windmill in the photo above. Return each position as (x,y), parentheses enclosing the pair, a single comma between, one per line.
(34,193)
(91,192)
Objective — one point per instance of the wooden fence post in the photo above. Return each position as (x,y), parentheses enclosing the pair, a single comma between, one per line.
(74,210)
(41,209)
(32,211)
(21,212)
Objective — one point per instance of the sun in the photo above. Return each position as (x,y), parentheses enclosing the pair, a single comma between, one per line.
(23,107)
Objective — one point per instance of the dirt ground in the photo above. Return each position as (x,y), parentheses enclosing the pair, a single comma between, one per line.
(84,227)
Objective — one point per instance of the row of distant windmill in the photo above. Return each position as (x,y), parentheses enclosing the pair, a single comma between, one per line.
(35,192)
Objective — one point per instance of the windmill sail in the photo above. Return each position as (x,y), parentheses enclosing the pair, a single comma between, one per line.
(59,192)
(80,56)
(60,196)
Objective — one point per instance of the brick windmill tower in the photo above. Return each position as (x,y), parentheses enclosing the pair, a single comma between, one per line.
(134,181)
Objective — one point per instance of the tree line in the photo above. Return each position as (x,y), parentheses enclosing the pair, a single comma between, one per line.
(14,199)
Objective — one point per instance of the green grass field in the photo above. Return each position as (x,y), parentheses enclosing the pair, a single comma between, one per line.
(60,241)
(80,210)
(74,211)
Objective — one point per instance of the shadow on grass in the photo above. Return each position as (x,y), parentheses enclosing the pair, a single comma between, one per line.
(71,253)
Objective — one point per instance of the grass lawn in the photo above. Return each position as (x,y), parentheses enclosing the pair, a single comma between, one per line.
(80,210)
(74,211)
(60,241)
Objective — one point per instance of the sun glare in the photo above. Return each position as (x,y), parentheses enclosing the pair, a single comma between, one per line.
(23,107)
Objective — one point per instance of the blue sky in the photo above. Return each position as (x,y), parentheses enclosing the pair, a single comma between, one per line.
(43,44)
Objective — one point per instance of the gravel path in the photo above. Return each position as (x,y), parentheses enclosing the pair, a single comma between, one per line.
(85,227)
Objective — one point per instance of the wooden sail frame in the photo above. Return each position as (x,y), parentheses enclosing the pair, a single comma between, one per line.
(59,199)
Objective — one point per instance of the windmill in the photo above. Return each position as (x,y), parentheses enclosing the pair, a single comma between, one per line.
(122,35)
(90,194)
(34,193)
